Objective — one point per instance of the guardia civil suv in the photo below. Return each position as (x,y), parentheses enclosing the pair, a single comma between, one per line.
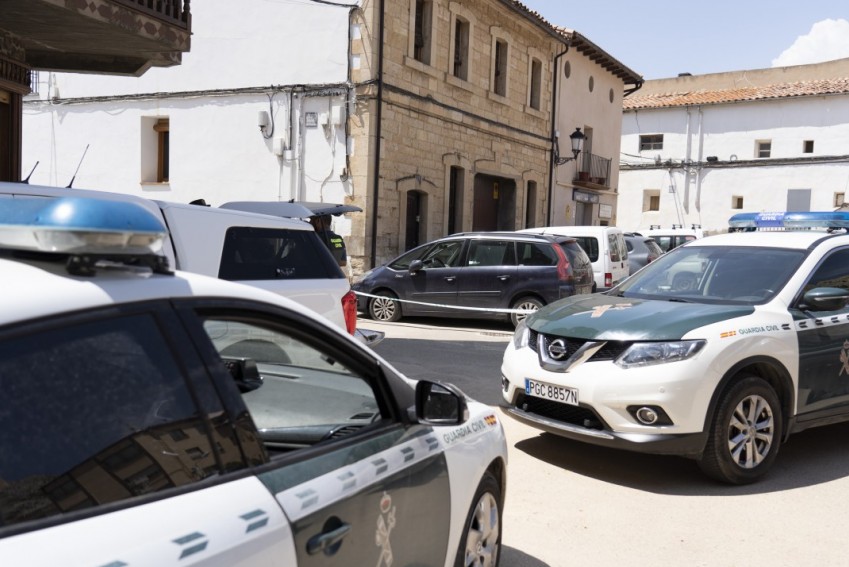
(152,417)
(754,348)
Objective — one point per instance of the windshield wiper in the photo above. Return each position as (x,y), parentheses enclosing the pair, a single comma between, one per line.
(680,300)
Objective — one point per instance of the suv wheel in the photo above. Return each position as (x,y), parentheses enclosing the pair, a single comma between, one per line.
(528,304)
(384,308)
(745,434)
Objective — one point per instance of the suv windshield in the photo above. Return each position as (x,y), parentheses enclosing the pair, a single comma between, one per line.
(715,274)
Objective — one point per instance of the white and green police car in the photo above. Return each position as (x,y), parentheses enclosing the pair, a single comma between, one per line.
(157,418)
(755,347)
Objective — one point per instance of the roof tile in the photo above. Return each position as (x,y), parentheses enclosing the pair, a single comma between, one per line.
(704,97)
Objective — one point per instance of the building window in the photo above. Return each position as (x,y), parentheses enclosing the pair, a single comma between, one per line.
(536,84)
(499,68)
(531,205)
(591,84)
(456,181)
(423,28)
(763,148)
(808,147)
(651,142)
(651,200)
(736,202)
(460,65)
(163,162)
(839,199)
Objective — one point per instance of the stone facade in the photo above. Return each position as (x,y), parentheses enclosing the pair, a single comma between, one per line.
(432,121)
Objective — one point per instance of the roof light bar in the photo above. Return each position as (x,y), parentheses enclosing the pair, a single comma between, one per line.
(777,220)
(79,226)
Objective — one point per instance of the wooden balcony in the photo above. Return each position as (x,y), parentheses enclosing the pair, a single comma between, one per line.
(593,172)
(123,37)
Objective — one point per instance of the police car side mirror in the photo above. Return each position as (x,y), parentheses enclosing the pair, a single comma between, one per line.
(415,266)
(825,299)
(440,404)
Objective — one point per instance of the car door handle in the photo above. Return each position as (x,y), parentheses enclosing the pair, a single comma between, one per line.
(504,278)
(326,540)
(450,278)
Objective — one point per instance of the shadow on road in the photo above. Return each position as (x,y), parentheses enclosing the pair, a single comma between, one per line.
(515,558)
(807,459)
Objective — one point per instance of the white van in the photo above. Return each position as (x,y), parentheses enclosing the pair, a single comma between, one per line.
(669,238)
(605,245)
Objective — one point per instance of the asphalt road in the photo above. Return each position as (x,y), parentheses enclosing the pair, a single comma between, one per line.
(571,504)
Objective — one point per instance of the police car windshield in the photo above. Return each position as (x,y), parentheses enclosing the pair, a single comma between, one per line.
(715,274)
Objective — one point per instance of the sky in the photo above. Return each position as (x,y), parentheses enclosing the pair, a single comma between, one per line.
(662,38)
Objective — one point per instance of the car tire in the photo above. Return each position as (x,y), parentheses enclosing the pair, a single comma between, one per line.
(745,433)
(385,307)
(527,302)
(480,543)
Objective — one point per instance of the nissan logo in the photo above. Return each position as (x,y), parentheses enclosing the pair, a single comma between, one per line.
(558,350)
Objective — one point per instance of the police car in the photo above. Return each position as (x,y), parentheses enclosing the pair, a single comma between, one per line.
(152,417)
(721,371)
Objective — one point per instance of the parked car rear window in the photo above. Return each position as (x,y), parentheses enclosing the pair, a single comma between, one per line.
(272,254)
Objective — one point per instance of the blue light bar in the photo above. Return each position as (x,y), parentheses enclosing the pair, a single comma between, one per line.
(778,220)
(79,226)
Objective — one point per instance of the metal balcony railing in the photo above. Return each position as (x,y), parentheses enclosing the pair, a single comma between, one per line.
(175,12)
(593,169)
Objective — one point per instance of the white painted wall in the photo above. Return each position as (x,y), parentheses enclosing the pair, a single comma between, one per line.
(217,150)
(730,131)
(579,107)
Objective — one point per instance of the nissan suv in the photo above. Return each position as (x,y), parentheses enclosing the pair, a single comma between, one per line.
(722,371)
(502,275)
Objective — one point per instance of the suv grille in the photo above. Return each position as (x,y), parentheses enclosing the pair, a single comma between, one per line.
(609,351)
(565,413)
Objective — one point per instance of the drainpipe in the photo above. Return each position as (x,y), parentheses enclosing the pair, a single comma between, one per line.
(552,165)
(688,159)
(378,117)
(699,171)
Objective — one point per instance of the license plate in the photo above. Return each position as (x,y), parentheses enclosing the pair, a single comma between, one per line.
(551,392)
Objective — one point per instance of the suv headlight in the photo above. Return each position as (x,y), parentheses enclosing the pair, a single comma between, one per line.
(520,336)
(646,354)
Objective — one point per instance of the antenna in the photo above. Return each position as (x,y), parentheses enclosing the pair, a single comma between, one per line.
(30,173)
(78,167)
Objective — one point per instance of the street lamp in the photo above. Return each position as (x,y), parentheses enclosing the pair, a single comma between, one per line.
(577,139)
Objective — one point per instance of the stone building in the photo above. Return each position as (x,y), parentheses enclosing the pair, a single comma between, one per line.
(457,105)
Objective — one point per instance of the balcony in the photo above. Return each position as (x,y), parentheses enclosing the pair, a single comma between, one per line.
(593,172)
(122,37)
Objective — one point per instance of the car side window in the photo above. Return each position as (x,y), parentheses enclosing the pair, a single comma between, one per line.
(403,262)
(832,272)
(443,255)
(297,392)
(533,254)
(101,414)
(252,253)
(491,253)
